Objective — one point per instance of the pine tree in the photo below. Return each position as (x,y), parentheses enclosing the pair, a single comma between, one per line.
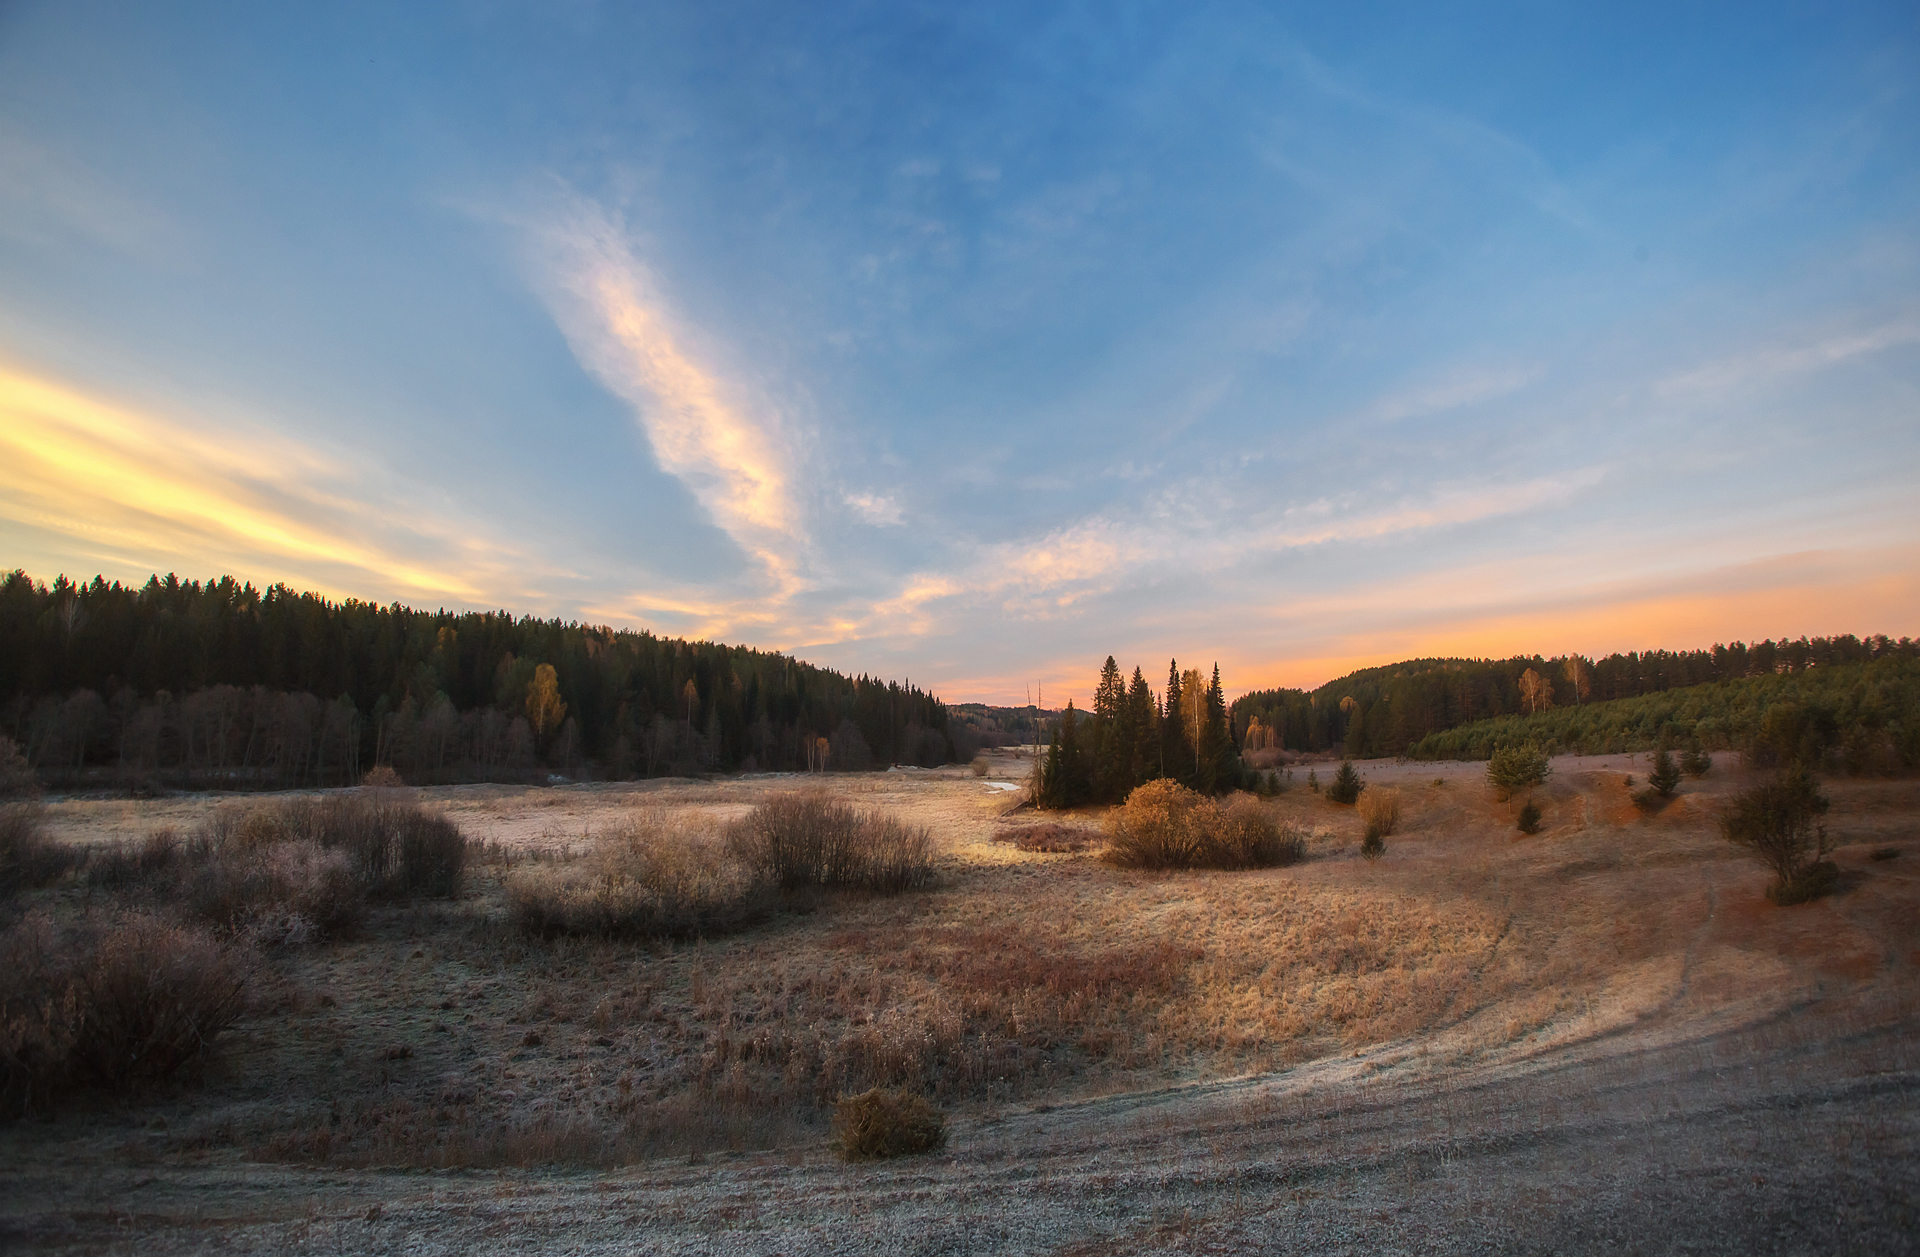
(1346,785)
(1223,756)
(1665,775)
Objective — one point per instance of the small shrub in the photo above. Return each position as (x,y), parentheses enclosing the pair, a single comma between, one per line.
(28,858)
(1346,785)
(1530,818)
(886,1122)
(1372,847)
(382,777)
(1164,825)
(979,765)
(1884,853)
(286,892)
(1695,762)
(1517,766)
(655,879)
(809,839)
(1779,821)
(1665,775)
(1313,781)
(143,1003)
(1650,800)
(1380,809)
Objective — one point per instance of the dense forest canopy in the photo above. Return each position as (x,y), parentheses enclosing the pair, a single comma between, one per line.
(1860,717)
(1387,710)
(224,684)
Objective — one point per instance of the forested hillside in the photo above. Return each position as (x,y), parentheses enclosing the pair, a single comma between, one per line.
(1387,710)
(223,684)
(1858,717)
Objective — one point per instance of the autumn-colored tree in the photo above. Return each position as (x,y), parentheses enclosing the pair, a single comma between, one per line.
(1579,676)
(545,711)
(1536,692)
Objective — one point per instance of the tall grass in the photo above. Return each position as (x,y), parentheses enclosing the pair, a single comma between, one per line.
(1380,809)
(808,839)
(1164,825)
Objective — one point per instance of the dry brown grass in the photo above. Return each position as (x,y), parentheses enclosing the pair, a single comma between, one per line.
(657,876)
(1380,809)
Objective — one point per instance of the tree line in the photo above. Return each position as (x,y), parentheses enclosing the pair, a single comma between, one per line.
(1387,710)
(223,684)
(1133,736)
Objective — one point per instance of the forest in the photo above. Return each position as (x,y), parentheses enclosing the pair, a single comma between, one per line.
(222,685)
(1388,710)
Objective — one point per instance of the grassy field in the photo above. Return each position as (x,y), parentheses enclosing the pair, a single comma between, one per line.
(1591,1036)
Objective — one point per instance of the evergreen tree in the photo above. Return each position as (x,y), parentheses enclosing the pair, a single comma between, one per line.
(1144,713)
(1171,743)
(1066,778)
(1111,737)
(1346,785)
(1665,775)
(1222,755)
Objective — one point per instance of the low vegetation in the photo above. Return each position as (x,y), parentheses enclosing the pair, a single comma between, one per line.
(811,840)
(119,1009)
(656,877)
(1164,825)
(886,1122)
(1380,809)
(1779,822)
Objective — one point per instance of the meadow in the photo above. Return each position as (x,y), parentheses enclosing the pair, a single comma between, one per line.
(1598,1033)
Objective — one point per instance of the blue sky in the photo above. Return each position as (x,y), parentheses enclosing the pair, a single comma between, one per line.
(974,343)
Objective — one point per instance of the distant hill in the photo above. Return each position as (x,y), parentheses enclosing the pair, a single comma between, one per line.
(1389,710)
(1863,717)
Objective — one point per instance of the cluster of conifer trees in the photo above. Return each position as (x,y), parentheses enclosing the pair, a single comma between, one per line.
(1387,710)
(228,685)
(1133,736)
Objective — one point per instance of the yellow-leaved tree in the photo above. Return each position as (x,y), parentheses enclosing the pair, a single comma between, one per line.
(544,708)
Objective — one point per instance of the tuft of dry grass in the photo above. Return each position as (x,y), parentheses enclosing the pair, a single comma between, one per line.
(1380,809)
(1050,837)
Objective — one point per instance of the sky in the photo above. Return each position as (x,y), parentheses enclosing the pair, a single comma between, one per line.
(974,343)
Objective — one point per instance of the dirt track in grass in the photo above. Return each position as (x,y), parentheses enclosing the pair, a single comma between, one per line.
(1598,1037)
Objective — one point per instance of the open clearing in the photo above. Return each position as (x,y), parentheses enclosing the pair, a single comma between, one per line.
(1598,1037)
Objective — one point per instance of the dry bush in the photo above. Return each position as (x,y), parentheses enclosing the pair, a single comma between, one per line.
(397,850)
(885,1122)
(138,1004)
(1164,825)
(810,839)
(28,858)
(979,765)
(283,892)
(382,777)
(657,877)
(1380,809)
(150,862)
(1051,837)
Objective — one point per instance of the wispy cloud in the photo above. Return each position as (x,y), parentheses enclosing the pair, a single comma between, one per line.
(1739,372)
(736,454)
(1451,392)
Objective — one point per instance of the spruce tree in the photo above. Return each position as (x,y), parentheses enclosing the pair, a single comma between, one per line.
(1225,757)
(1144,760)
(1346,785)
(1112,740)
(1170,740)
